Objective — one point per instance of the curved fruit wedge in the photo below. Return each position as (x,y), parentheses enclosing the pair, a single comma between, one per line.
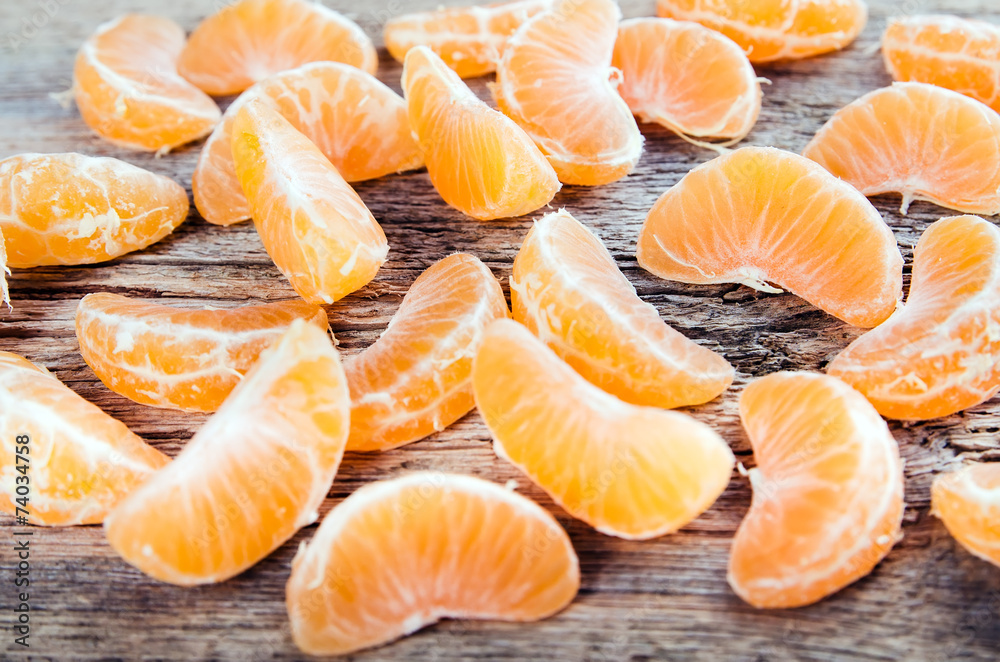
(692,80)
(179,358)
(248,41)
(75,209)
(75,461)
(761,215)
(770,30)
(480,161)
(968,502)
(314,226)
(556,81)
(355,120)
(827,491)
(919,140)
(416,379)
(251,477)
(940,353)
(401,554)
(628,471)
(128,90)
(567,289)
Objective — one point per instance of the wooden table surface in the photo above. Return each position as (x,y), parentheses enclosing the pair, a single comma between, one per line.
(665,599)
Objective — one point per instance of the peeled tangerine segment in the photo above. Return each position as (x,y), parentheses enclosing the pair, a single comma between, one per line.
(556,81)
(179,358)
(77,461)
(919,140)
(968,502)
(76,209)
(249,40)
(628,471)
(314,226)
(251,477)
(567,289)
(827,491)
(417,377)
(127,88)
(401,554)
(940,353)
(353,118)
(761,215)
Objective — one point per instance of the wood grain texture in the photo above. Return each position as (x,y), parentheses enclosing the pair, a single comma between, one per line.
(665,599)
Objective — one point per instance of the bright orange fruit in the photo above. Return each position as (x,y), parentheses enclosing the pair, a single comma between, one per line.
(75,209)
(919,140)
(77,462)
(628,471)
(480,161)
(556,81)
(567,289)
(827,491)
(314,226)
(968,502)
(251,477)
(248,41)
(416,379)
(760,215)
(356,121)
(128,90)
(401,554)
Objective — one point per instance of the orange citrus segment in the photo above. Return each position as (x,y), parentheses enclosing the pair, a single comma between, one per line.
(760,215)
(356,121)
(968,502)
(827,491)
(770,30)
(480,161)
(416,379)
(919,140)
(75,209)
(468,39)
(401,554)
(129,92)
(179,358)
(251,477)
(692,80)
(628,471)
(556,81)
(940,353)
(567,289)
(248,41)
(314,226)
(77,462)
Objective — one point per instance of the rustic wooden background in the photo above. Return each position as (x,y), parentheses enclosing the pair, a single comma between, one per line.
(665,599)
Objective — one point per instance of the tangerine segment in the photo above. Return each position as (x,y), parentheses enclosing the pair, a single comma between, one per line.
(356,121)
(416,379)
(75,209)
(468,39)
(951,52)
(127,88)
(770,30)
(556,81)
(187,359)
(940,353)
(250,40)
(968,502)
(401,554)
(251,477)
(314,226)
(567,289)
(628,471)
(920,140)
(692,80)
(77,462)
(480,161)
(827,491)
(761,215)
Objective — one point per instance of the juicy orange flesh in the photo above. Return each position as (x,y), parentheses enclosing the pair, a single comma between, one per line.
(968,502)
